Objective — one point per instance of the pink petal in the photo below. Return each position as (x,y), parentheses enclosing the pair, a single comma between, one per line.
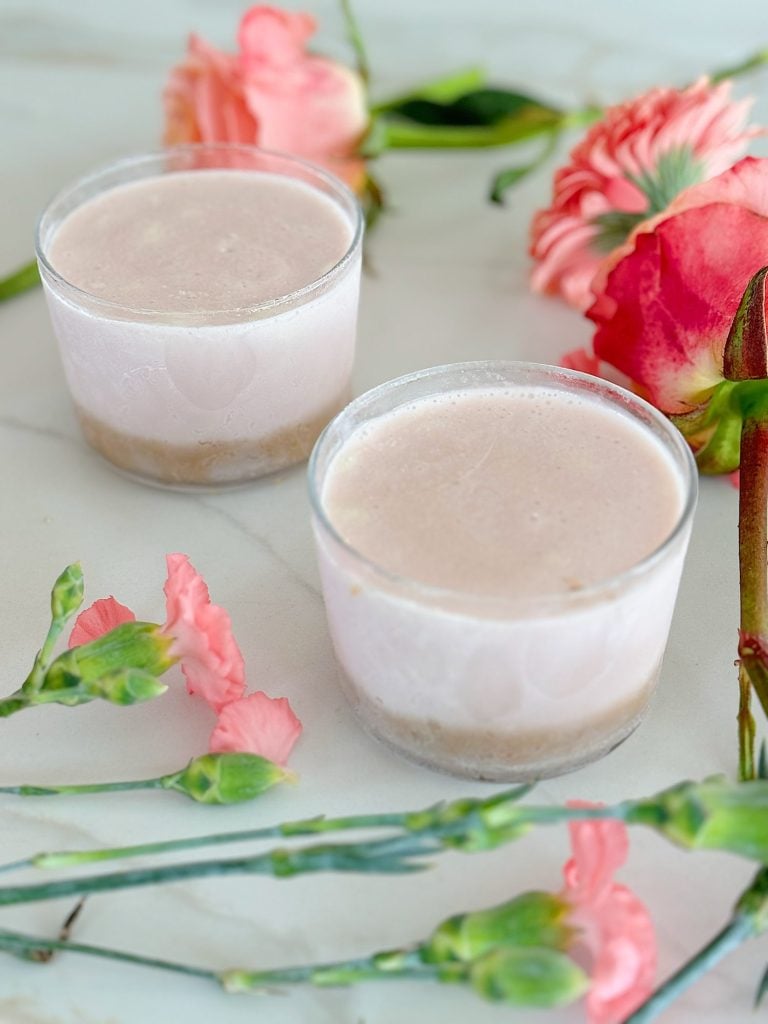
(210,658)
(257,724)
(102,616)
(666,308)
(615,933)
(583,360)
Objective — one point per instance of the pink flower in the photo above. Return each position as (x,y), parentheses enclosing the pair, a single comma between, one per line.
(273,93)
(630,165)
(616,939)
(102,616)
(665,308)
(202,636)
(257,724)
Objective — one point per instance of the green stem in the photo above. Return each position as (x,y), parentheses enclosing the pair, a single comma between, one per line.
(408,820)
(28,946)
(89,787)
(10,705)
(355,37)
(757,60)
(19,281)
(398,855)
(732,936)
(395,964)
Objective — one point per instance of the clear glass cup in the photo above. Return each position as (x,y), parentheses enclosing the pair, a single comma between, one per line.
(191,400)
(496,688)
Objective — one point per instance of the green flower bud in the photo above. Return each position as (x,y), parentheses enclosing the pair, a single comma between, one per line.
(67,593)
(120,667)
(139,645)
(532,919)
(227,778)
(527,977)
(126,686)
(712,815)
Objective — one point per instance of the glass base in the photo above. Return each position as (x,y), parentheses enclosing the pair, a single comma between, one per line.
(493,756)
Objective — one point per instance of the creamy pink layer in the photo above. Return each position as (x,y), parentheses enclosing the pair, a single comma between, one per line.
(504,492)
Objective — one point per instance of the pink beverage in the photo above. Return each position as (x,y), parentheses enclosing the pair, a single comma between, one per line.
(205,303)
(500,546)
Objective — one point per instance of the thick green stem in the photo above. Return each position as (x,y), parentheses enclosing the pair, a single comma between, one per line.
(753,573)
(730,938)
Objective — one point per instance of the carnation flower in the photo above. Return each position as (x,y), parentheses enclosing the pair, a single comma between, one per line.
(272,93)
(629,167)
(98,619)
(615,939)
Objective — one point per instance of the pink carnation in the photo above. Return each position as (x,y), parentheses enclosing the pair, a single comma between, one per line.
(630,165)
(257,724)
(273,93)
(102,616)
(202,636)
(616,941)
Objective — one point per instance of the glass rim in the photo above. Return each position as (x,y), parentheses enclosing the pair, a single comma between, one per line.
(460,600)
(338,189)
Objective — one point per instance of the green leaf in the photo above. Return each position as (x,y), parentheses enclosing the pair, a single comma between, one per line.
(67,593)
(478,108)
(445,89)
(21,280)
(226,778)
(527,977)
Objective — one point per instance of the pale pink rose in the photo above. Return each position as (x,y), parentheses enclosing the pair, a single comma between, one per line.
(273,93)
(102,616)
(257,724)
(202,636)
(616,944)
(630,166)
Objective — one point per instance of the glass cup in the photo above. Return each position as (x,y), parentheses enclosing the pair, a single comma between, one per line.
(505,689)
(192,400)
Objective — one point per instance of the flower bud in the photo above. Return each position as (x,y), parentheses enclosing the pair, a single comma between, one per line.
(532,919)
(227,778)
(67,593)
(712,815)
(527,977)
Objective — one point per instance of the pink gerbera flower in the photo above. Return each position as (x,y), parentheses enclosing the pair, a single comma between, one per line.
(629,167)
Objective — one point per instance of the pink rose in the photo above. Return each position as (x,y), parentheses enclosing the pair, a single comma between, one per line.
(665,308)
(273,93)
(629,167)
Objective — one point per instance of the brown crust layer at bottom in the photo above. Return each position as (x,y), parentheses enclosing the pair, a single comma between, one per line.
(207,463)
(500,756)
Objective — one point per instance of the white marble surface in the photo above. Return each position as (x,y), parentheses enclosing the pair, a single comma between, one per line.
(79,83)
